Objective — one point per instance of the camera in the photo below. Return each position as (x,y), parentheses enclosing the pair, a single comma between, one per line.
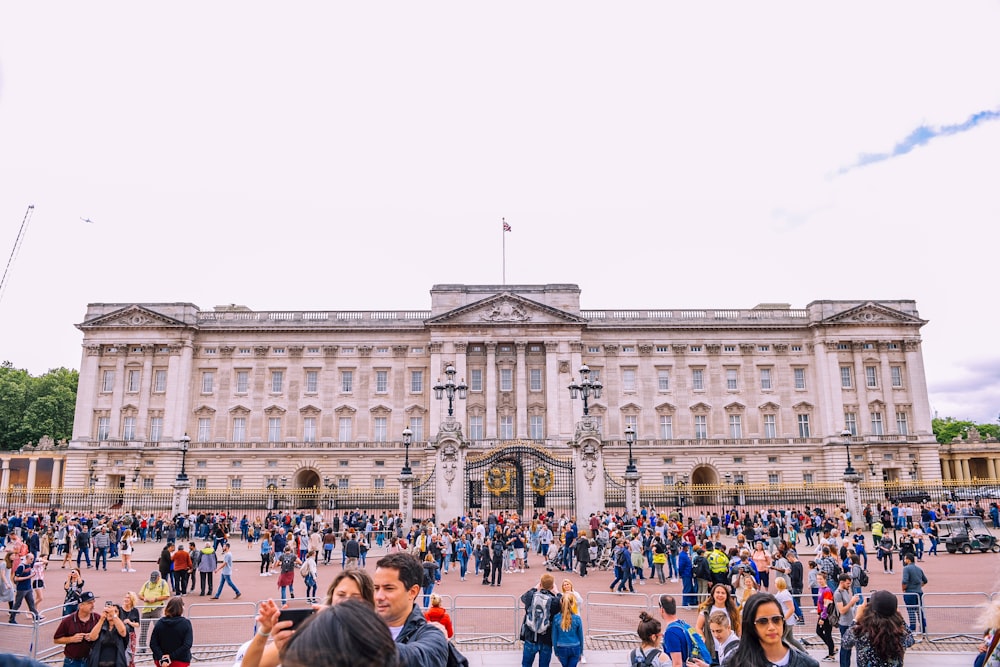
(165,660)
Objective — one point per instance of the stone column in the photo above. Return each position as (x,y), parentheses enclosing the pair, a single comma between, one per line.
(4,475)
(521,392)
(965,475)
(450,472)
(490,389)
(56,482)
(182,492)
(631,492)
(945,469)
(435,371)
(32,472)
(551,379)
(588,470)
(83,416)
(991,467)
(406,482)
(853,490)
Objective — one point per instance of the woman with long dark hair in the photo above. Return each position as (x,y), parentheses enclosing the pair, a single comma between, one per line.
(719,599)
(761,644)
(879,632)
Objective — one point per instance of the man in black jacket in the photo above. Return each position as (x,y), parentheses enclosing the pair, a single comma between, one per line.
(536,630)
(398,577)
(582,549)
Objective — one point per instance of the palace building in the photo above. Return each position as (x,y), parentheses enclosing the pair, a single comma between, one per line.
(320,399)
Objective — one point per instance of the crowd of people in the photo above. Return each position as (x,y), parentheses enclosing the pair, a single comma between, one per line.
(649,546)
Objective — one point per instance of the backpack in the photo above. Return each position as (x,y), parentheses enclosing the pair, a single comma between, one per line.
(636,659)
(536,618)
(696,643)
(832,613)
(620,559)
(862,577)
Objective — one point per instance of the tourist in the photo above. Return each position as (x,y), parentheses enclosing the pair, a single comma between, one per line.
(438,614)
(6,583)
(286,564)
(567,633)
(22,588)
(649,650)
(226,570)
(721,600)
(78,631)
(207,564)
(397,583)
(126,549)
(824,624)
(345,635)
(430,576)
(913,584)
(154,593)
(724,639)
(761,642)
(541,604)
(309,572)
(74,587)
(172,635)
(879,632)
(353,583)
(129,613)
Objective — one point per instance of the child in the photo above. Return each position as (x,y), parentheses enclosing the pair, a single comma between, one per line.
(38,579)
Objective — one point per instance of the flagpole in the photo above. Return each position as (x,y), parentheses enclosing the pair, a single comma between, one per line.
(503,236)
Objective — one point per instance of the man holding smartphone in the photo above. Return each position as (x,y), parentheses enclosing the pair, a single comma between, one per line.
(78,631)
(398,578)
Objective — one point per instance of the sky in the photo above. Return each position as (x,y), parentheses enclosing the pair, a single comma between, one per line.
(334,155)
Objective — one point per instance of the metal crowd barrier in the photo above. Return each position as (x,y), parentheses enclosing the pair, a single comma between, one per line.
(610,621)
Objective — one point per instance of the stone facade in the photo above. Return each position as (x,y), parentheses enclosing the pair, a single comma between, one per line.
(305,399)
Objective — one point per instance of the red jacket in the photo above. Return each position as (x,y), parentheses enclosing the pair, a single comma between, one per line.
(439,615)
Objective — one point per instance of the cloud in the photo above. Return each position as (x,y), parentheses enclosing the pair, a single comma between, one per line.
(920,137)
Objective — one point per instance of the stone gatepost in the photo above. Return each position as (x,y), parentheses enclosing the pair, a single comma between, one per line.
(450,471)
(182,492)
(631,492)
(852,489)
(588,469)
(406,482)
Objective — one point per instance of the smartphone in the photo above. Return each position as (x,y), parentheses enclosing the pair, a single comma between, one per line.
(109,603)
(296,616)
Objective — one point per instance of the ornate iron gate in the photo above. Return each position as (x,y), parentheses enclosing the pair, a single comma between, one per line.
(519,477)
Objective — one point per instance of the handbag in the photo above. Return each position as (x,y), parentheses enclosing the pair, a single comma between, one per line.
(659,558)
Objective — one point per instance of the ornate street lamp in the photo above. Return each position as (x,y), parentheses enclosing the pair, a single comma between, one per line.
(185,442)
(630,439)
(586,388)
(450,389)
(846,435)
(407,437)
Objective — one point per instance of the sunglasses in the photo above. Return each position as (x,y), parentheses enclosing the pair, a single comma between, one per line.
(764,621)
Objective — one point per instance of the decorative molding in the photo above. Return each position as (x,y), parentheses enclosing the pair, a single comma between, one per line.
(564,366)
(434,347)
(679,348)
(505,310)
(748,348)
(713,348)
(645,349)
(260,351)
(330,350)
(400,350)
(295,351)
(611,349)
(365,350)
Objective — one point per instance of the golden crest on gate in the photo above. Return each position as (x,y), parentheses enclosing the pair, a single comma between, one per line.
(542,480)
(498,480)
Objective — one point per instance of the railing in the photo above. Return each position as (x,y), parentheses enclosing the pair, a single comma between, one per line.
(709,315)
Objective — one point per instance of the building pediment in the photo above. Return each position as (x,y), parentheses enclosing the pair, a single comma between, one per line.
(505,309)
(872,312)
(131,317)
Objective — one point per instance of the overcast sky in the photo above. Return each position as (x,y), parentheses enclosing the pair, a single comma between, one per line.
(320,155)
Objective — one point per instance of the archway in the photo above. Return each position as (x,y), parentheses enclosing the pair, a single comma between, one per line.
(701,477)
(307,486)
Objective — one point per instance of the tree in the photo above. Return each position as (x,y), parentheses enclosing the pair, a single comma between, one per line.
(33,407)
(946,430)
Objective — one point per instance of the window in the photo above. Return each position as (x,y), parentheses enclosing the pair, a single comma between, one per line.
(476,379)
(765,379)
(594,349)
(700,427)
(274,429)
(239,429)
(770,426)
(803,426)
(796,348)
(506,379)
(245,350)
(668,479)
(773,478)
(159,381)
(871,377)
(312,382)
(628,379)
(381,429)
(277,381)
(536,427)
(155,429)
(663,379)
(475,427)
(147,482)
(347,381)
(417,426)
(312,350)
(128,432)
(103,427)
(108,381)
(732,380)
(628,348)
(877,428)
(416,350)
(662,348)
(737,459)
(208,350)
(697,379)
(807,478)
(695,348)
(535,379)
(382,350)
(633,421)
(668,460)
(667,427)
(343,464)
(380,482)
(347,350)
(506,427)
(843,346)
(272,464)
(901,425)
(851,422)
(204,429)
(201,483)
(897,376)
(344,483)
(242,382)
(309,429)
(772,459)
(207,382)
(345,429)
(846,378)
(807,459)
(735,426)
(236,483)
(381,382)
(134,377)
(800,378)
(728,348)
(416,382)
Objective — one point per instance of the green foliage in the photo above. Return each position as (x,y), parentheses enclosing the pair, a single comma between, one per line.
(32,407)
(946,430)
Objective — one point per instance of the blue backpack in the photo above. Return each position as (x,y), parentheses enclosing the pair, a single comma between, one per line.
(696,643)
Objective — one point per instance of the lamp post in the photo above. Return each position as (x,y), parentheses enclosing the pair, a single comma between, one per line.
(450,389)
(586,388)
(185,442)
(846,435)
(630,439)
(407,438)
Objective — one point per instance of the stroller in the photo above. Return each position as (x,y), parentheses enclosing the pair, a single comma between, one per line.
(554,563)
(600,557)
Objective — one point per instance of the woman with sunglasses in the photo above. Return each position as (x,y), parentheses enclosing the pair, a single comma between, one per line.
(761,644)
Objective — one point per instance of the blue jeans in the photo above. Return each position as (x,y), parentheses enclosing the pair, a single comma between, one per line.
(102,554)
(427,595)
(569,656)
(228,579)
(845,653)
(70,662)
(915,608)
(544,652)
